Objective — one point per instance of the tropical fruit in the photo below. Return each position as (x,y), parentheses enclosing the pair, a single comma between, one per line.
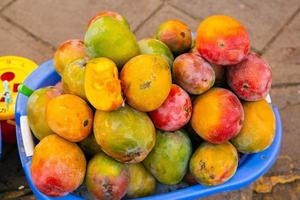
(108,37)
(70,117)
(101,84)
(222,40)
(125,134)
(168,161)
(112,14)
(36,111)
(217,115)
(258,129)
(57,166)
(106,178)
(146,82)
(89,145)
(214,164)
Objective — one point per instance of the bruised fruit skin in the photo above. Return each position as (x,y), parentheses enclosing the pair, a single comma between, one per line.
(214,164)
(125,134)
(175,112)
(90,146)
(68,52)
(70,117)
(168,161)
(156,47)
(106,178)
(73,78)
(193,73)
(146,82)
(258,129)
(141,183)
(36,111)
(217,115)
(101,84)
(112,14)
(176,35)
(251,79)
(107,37)
(57,167)
(222,40)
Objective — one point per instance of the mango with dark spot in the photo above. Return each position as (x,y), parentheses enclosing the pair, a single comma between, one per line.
(146,82)
(141,183)
(168,161)
(176,35)
(106,178)
(112,14)
(90,146)
(125,134)
(36,110)
(193,73)
(258,129)
(70,117)
(214,164)
(156,47)
(57,167)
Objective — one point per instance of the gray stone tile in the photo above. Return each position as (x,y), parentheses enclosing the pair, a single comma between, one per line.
(4,3)
(285,96)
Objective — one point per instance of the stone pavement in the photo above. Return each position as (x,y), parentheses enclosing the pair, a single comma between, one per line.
(33,28)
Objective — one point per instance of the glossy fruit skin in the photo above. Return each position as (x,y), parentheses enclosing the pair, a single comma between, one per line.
(57,166)
(149,92)
(112,14)
(68,52)
(168,161)
(251,79)
(176,35)
(175,112)
(125,134)
(107,37)
(106,178)
(70,117)
(73,78)
(193,73)
(90,146)
(222,40)
(141,183)
(217,115)
(36,111)
(258,129)
(101,84)
(156,47)
(214,164)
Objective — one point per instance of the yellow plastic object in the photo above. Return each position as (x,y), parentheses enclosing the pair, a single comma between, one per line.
(13,71)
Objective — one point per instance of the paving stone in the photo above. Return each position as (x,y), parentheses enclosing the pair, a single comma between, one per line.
(56,21)
(283,54)
(165,13)
(285,96)
(242,194)
(262,18)
(4,3)
(14,41)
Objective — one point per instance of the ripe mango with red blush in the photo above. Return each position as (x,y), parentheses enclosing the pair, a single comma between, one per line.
(112,14)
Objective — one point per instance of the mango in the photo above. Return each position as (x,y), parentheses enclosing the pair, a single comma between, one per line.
(89,145)
(36,111)
(125,134)
(146,82)
(112,14)
(168,161)
(193,73)
(101,84)
(258,129)
(214,164)
(217,115)
(68,52)
(108,37)
(156,47)
(73,78)
(250,79)
(141,183)
(57,166)
(106,178)
(222,40)
(70,117)
(176,35)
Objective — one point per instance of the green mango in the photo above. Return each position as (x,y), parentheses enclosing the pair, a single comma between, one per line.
(89,145)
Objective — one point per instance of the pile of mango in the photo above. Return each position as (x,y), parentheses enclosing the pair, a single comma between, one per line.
(169,108)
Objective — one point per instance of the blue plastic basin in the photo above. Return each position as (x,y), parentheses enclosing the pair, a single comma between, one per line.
(252,167)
